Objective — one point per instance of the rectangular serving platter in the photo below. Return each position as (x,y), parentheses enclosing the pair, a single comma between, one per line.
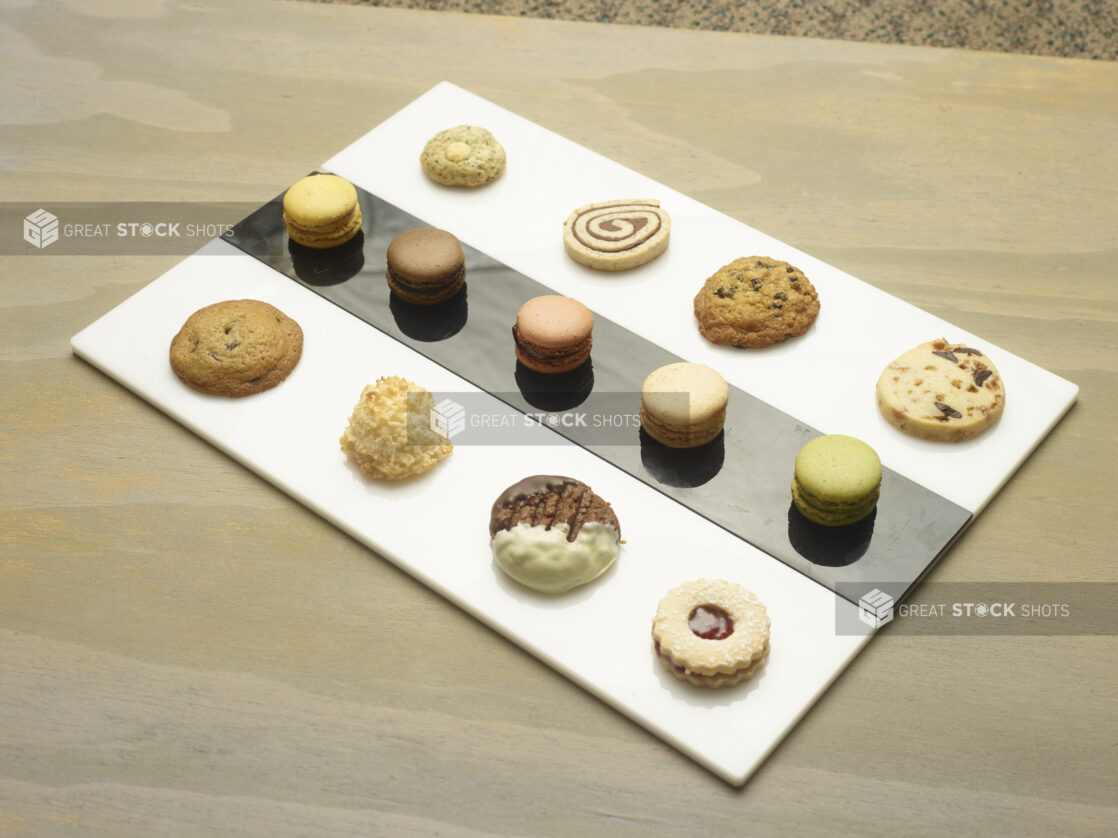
(597,635)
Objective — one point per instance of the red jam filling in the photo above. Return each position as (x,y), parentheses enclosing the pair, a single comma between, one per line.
(710,623)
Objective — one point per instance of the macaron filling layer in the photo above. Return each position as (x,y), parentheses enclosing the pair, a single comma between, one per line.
(832,513)
(555,356)
(434,289)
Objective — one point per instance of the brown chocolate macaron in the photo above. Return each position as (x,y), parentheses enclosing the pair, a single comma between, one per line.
(553,334)
(426,266)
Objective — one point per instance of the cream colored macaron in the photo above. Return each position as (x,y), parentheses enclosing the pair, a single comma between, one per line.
(683,405)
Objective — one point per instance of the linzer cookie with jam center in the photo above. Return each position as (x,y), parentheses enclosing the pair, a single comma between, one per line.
(711,633)
(552,533)
(946,392)
(617,235)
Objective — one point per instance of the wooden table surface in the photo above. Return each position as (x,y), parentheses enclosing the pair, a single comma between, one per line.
(185,650)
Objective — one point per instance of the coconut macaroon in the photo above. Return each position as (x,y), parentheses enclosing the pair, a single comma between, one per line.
(389,434)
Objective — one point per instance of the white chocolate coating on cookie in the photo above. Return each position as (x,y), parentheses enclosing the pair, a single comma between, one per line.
(541,558)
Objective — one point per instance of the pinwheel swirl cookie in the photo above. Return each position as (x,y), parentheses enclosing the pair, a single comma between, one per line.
(617,235)
(711,633)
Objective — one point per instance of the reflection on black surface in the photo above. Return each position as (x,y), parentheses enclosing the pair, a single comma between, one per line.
(555,392)
(683,468)
(322,267)
(739,482)
(430,323)
(829,546)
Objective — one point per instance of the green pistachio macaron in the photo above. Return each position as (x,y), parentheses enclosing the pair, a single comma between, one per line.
(837,480)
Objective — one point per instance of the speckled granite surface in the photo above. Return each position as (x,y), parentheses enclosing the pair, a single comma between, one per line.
(1069,28)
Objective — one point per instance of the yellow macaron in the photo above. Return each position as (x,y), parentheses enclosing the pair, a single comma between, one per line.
(321,211)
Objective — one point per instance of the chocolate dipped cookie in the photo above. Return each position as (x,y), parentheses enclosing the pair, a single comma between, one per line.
(552,533)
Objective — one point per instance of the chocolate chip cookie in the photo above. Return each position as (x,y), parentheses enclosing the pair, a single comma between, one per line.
(754,302)
(236,348)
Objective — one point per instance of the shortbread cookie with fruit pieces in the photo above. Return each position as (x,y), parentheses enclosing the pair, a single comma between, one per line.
(947,392)
(711,633)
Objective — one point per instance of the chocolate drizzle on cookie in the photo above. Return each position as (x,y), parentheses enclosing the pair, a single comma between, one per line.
(548,501)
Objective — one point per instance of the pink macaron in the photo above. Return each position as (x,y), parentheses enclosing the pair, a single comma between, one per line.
(553,334)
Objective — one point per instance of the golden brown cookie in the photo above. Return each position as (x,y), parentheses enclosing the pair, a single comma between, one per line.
(948,392)
(465,155)
(754,302)
(389,434)
(711,633)
(236,348)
